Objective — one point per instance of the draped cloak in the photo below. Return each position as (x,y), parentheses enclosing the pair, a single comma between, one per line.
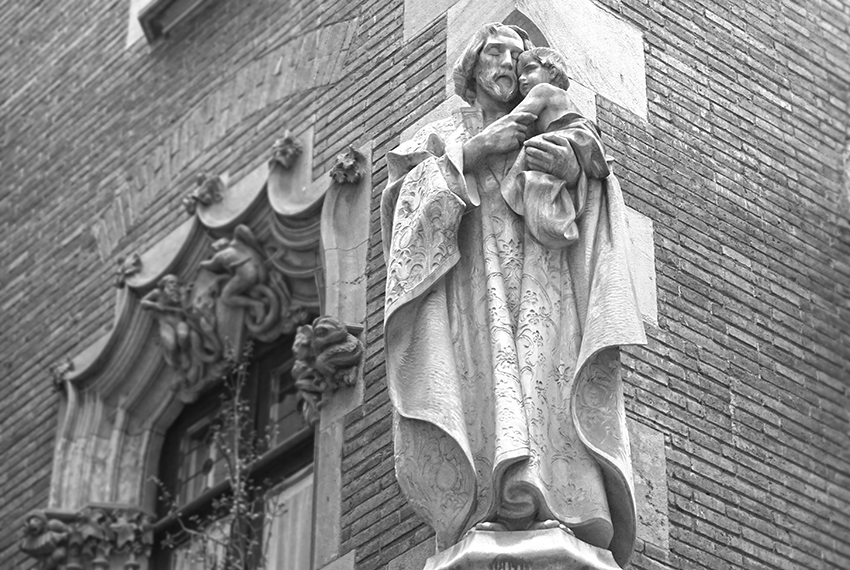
(501,358)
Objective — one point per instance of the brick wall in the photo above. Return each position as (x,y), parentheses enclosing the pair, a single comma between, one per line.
(739,166)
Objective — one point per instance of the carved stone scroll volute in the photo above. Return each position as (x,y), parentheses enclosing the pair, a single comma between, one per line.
(327,356)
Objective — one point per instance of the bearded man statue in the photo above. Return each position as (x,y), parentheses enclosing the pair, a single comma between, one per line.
(502,352)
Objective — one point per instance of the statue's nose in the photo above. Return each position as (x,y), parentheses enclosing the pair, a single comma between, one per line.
(507,61)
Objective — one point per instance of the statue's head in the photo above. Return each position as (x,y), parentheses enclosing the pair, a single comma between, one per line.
(541,65)
(170,287)
(489,63)
(302,347)
(35,524)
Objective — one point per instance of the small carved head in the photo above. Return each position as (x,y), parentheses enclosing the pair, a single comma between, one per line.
(209,190)
(328,330)
(127,267)
(465,73)
(170,287)
(345,169)
(35,524)
(286,150)
(302,347)
(549,61)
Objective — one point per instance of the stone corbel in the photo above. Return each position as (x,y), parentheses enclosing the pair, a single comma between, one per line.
(328,355)
(98,537)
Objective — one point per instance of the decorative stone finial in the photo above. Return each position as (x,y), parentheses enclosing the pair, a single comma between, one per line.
(286,150)
(346,169)
(327,357)
(127,267)
(210,189)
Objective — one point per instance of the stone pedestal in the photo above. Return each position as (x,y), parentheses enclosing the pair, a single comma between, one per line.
(550,549)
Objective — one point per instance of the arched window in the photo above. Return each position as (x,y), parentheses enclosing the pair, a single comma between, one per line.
(242,441)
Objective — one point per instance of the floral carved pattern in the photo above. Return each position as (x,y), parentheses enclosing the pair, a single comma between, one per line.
(88,539)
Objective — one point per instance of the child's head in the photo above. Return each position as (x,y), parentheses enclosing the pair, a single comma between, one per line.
(541,65)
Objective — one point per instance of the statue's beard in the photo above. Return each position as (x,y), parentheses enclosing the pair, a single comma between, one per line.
(499,85)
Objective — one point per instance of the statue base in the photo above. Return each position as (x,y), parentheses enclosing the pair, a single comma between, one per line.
(550,549)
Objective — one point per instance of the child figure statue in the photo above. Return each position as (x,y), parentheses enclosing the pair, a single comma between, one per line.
(550,205)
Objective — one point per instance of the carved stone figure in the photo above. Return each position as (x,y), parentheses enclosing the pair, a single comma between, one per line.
(46,540)
(209,190)
(246,287)
(286,150)
(187,333)
(326,358)
(127,267)
(169,300)
(346,170)
(502,340)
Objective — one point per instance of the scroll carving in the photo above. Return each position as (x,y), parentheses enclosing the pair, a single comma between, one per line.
(91,538)
(327,358)
(286,150)
(209,190)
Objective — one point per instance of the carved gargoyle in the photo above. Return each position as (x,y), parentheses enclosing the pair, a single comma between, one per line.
(286,150)
(127,267)
(327,357)
(46,540)
(347,168)
(210,189)
(246,286)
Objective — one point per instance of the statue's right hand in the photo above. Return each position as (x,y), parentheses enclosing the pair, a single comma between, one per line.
(503,135)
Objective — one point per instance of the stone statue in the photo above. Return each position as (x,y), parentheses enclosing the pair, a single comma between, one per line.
(240,258)
(45,540)
(506,301)
(168,300)
(187,333)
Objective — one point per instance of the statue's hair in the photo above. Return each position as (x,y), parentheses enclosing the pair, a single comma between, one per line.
(463,72)
(552,61)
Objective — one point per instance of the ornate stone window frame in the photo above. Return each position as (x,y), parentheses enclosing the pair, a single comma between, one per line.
(121,393)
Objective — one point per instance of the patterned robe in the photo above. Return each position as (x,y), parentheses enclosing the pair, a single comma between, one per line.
(502,363)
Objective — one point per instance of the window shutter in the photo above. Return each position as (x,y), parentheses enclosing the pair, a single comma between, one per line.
(289,526)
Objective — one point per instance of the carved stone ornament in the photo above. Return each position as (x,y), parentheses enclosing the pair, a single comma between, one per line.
(508,295)
(327,358)
(246,267)
(59,373)
(187,331)
(127,267)
(347,168)
(286,150)
(96,538)
(210,190)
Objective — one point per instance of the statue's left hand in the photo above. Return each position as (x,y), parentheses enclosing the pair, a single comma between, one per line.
(553,154)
